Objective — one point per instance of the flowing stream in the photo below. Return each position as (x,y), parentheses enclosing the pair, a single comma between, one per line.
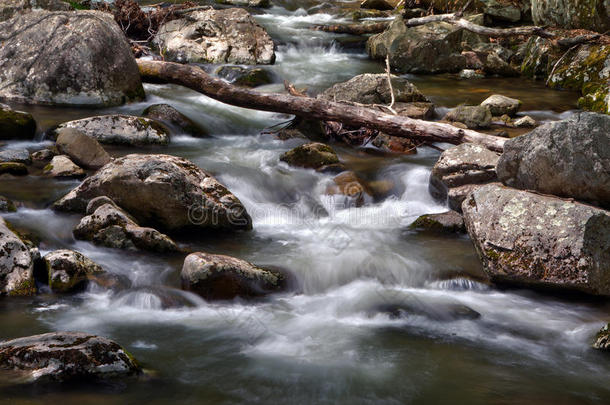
(332,342)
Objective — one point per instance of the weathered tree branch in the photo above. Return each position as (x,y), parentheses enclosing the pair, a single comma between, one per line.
(197,79)
(452,18)
(354,29)
(455,19)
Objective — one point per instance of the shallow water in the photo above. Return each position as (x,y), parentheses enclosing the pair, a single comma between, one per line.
(329,343)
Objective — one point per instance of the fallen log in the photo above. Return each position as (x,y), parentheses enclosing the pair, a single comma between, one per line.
(197,79)
(452,18)
(456,19)
(354,29)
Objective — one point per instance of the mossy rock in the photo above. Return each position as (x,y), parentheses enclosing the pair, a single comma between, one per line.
(311,156)
(585,68)
(446,222)
(7,205)
(16,124)
(14,168)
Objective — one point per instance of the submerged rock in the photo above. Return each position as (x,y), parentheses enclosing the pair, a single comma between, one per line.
(110,226)
(16,124)
(602,339)
(62,167)
(311,156)
(216,36)
(461,169)
(569,158)
(351,186)
(82,149)
(500,105)
(374,89)
(162,190)
(446,222)
(17,259)
(471,116)
(70,271)
(65,356)
(173,118)
(219,277)
(42,62)
(120,130)
(395,144)
(533,240)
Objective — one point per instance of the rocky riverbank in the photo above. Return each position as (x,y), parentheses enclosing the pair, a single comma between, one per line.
(121,192)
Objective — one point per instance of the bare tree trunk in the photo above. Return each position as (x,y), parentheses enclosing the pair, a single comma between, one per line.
(197,79)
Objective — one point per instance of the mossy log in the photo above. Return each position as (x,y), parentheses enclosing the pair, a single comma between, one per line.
(197,79)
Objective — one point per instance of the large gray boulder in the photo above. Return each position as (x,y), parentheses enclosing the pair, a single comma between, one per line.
(430,48)
(570,14)
(84,150)
(533,240)
(569,158)
(216,36)
(120,129)
(461,169)
(217,277)
(110,226)
(17,258)
(161,190)
(477,116)
(67,58)
(65,356)
(371,88)
(8,8)
(70,271)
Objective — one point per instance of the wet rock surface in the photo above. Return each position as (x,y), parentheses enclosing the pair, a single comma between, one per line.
(374,89)
(162,190)
(119,129)
(174,119)
(461,169)
(217,277)
(70,271)
(16,124)
(310,156)
(17,258)
(84,150)
(110,226)
(445,222)
(539,241)
(65,356)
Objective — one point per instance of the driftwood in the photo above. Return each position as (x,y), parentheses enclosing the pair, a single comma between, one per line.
(452,18)
(197,79)
(354,29)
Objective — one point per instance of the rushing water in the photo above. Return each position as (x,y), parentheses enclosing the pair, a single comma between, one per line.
(332,342)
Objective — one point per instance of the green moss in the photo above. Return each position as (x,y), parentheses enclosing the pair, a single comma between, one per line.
(27,288)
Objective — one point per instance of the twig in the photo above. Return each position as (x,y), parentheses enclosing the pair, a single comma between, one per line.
(387,70)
